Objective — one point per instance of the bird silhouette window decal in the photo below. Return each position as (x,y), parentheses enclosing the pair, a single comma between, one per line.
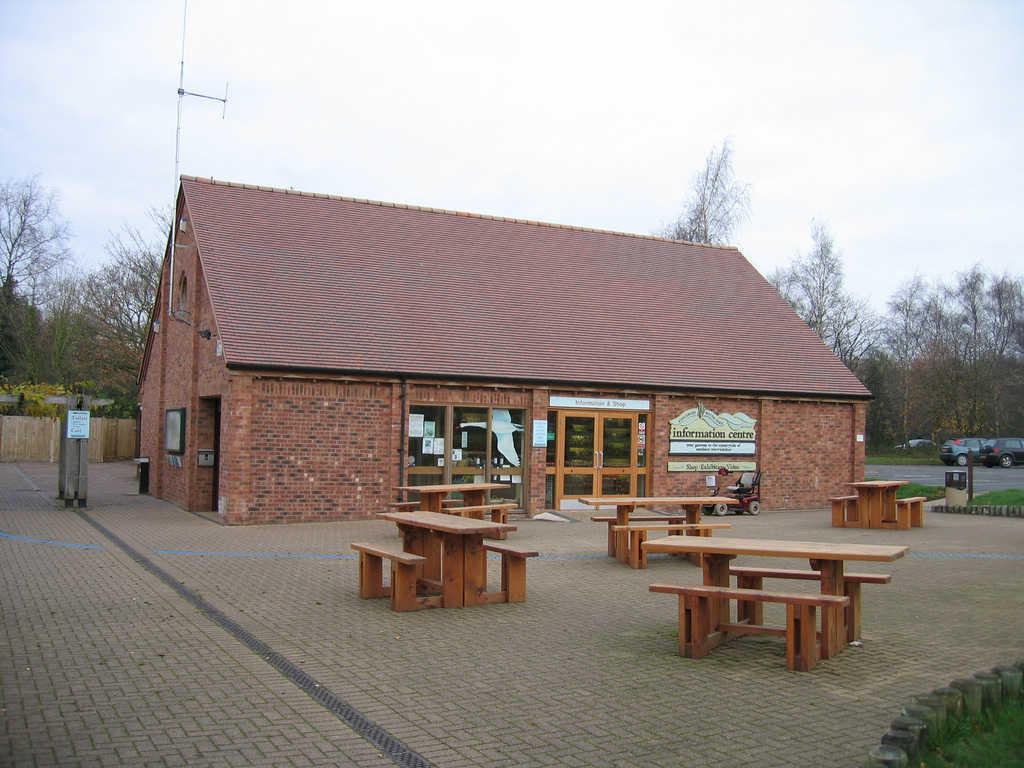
(504,431)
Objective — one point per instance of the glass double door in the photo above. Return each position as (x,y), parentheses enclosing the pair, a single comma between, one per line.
(596,454)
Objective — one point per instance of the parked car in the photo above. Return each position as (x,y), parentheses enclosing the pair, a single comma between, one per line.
(1004,451)
(915,442)
(955,451)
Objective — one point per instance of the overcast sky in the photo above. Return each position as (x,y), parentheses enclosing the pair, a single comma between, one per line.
(900,123)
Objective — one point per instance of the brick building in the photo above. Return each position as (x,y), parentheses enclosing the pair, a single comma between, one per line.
(309,353)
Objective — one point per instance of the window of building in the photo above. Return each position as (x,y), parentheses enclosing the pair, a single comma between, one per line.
(467,444)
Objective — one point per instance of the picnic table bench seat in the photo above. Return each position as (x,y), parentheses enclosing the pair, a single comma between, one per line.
(697,636)
(915,507)
(753,578)
(498,512)
(638,535)
(405,568)
(513,571)
(477,511)
(612,520)
(844,510)
(404,506)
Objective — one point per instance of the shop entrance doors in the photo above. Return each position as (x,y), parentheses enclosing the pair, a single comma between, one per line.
(595,454)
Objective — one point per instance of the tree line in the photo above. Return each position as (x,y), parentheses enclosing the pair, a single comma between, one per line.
(945,359)
(63,328)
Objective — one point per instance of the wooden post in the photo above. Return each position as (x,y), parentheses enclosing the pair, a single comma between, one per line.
(916,726)
(905,740)
(937,704)
(887,755)
(73,475)
(991,690)
(1011,679)
(925,714)
(73,472)
(971,690)
(954,701)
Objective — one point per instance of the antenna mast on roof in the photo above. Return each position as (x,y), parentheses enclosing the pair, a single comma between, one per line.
(182,93)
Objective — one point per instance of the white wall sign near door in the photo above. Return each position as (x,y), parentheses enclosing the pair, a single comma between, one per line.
(599,403)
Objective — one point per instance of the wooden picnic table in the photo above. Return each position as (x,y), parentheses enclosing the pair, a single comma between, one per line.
(826,558)
(431,496)
(618,546)
(456,560)
(876,503)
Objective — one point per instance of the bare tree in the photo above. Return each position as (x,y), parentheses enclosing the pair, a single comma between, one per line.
(120,294)
(19,322)
(814,285)
(717,204)
(905,337)
(33,234)
(118,300)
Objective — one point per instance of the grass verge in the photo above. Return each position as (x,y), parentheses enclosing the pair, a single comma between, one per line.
(991,741)
(929,455)
(1008,497)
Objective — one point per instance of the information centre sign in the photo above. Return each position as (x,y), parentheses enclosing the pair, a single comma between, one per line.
(701,432)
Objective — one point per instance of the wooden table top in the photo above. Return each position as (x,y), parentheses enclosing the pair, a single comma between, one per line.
(449,488)
(877,483)
(615,500)
(445,523)
(813,550)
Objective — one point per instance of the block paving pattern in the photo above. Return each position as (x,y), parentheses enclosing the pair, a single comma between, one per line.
(104,663)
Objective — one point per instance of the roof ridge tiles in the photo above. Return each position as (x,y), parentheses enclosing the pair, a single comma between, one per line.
(445,211)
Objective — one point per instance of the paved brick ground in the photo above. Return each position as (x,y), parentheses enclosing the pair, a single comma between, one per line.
(124,631)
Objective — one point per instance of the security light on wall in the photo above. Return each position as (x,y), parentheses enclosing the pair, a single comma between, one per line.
(206,334)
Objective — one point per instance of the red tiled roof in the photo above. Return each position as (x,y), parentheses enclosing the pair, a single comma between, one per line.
(321,282)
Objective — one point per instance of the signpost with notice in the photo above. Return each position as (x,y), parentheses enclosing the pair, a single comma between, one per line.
(73,472)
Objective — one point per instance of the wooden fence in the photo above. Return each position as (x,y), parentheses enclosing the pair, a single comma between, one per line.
(26,438)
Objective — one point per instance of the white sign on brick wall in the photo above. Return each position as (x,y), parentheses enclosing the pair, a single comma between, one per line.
(702,432)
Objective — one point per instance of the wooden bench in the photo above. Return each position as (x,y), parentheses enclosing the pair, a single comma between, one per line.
(638,535)
(404,506)
(753,578)
(498,513)
(513,572)
(405,568)
(613,520)
(844,511)
(915,509)
(697,636)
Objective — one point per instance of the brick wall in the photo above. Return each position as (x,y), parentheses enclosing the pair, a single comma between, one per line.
(318,451)
(806,449)
(183,370)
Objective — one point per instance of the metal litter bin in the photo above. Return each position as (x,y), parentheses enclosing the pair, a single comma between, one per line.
(956,489)
(143,462)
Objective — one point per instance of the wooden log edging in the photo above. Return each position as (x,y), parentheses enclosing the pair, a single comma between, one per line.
(990,511)
(908,736)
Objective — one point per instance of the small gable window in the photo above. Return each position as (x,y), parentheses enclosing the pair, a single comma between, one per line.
(182,292)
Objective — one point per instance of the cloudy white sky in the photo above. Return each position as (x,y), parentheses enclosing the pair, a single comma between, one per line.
(900,123)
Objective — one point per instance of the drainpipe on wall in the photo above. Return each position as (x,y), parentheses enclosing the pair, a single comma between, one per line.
(401,439)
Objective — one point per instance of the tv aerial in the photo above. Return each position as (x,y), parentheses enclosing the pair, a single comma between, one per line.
(182,93)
